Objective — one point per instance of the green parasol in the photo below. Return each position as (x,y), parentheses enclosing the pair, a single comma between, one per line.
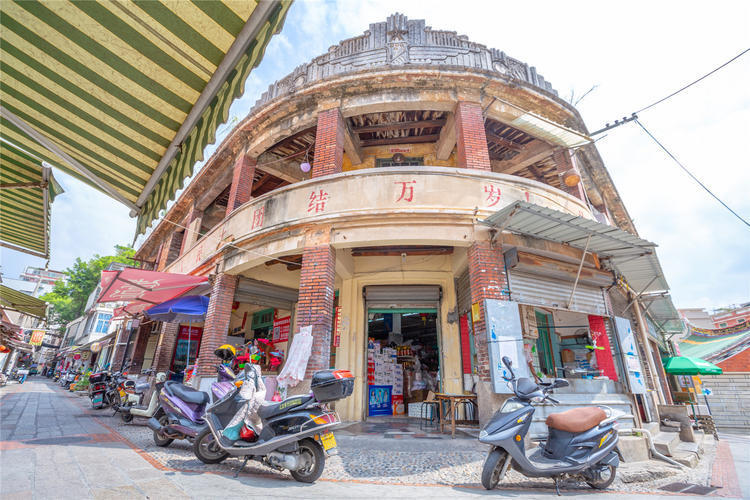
(683,365)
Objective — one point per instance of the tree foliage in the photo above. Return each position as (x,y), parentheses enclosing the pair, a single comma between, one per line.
(68,299)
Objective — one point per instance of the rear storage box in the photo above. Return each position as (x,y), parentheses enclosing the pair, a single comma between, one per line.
(330,385)
(97,377)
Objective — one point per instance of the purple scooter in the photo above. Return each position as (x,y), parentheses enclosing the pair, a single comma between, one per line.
(181,408)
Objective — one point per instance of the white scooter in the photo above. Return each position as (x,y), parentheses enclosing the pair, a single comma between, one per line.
(145,411)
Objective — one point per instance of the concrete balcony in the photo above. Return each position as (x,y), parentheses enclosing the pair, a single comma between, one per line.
(375,206)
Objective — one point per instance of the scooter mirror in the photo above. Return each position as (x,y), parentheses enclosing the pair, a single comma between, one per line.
(560,382)
(507,361)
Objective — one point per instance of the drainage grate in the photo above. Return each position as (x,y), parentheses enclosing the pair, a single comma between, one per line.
(693,489)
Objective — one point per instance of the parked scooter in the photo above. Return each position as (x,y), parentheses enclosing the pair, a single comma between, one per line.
(296,433)
(181,408)
(98,389)
(68,379)
(140,410)
(581,442)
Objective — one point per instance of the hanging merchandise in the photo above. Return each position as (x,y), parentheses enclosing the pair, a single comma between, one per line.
(296,363)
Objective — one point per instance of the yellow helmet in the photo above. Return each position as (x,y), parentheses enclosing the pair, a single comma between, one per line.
(227,352)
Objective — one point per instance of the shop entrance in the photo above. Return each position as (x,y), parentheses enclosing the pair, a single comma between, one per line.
(404,356)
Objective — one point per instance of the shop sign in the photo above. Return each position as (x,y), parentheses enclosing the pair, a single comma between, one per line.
(504,338)
(475,312)
(630,353)
(36,337)
(281,328)
(85,355)
(400,149)
(337,327)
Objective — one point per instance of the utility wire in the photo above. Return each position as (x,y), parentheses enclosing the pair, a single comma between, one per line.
(694,82)
(690,174)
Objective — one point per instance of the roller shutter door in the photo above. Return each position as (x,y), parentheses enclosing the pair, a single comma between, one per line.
(399,296)
(265,294)
(463,293)
(543,291)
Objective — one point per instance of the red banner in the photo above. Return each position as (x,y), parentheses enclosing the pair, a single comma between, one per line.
(281,328)
(604,360)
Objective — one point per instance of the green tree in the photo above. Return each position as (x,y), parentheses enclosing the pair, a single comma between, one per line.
(69,299)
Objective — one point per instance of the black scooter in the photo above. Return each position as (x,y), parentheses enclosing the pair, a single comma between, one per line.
(581,442)
(296,433)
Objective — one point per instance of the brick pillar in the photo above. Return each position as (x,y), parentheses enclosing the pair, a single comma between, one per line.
(564,163)
(471,140)
(141,342)
(329,143)
(315,305)
(242,182)
(487,281)
(216,326)
(170,250)
(165,348)
(192,224)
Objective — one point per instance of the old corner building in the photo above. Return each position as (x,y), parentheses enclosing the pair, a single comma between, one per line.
(455,211)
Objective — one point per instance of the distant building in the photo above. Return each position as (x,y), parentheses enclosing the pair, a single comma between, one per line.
(697,316)
(732,317)
(35,281)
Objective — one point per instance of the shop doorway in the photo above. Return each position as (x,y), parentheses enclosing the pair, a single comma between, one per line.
(187,348)
(404,349)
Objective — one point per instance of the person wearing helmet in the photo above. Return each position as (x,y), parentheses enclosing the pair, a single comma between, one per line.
(253,392)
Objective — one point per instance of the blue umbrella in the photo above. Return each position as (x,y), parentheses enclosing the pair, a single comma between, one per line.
(190,308)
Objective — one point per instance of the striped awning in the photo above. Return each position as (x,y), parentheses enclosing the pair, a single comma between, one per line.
(13,300)
(27,189)
(125,94)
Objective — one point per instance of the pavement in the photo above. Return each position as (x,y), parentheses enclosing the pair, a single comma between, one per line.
(52,445)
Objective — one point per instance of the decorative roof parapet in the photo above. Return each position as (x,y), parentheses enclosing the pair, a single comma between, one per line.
(401,42)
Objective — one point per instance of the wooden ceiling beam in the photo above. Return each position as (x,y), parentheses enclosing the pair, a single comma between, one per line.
(533,152)
(447,140)
(383,127)
(352,145)
(400,140)
(502,141)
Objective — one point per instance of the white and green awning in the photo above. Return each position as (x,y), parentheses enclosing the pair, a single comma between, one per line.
(125,94)
(27,189)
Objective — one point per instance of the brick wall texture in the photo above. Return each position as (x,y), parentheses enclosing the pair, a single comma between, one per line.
(740,362)
(165,347)
(191,228)
(471,140)
(329,143)
(487,280)
(729,399)
(216,325)
(141,342)
(315,306)
(242,182)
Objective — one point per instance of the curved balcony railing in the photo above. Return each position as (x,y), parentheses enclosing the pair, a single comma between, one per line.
(377,192)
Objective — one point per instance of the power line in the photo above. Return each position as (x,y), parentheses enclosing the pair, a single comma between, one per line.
(689,173)
(633,116)
(694,82)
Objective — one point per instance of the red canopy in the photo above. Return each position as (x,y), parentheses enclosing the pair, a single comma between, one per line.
(144,289)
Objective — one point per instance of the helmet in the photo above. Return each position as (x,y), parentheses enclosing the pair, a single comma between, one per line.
(225,352)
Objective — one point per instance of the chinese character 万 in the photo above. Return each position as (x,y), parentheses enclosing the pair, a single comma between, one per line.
(258,217)
(493,195)
(317,201)
(407,190)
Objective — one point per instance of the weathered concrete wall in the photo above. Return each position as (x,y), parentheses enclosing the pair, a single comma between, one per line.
(729,399)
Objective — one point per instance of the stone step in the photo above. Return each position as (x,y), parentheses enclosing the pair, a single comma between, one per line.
(633,448)
(651,427)
(666,442)
(686,458)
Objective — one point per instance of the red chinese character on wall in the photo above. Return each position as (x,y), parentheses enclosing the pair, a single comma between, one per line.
(317,201)
(258,217)
(493,195)
(407,190)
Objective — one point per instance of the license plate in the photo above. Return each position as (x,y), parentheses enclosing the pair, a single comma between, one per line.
(328,441)
(122,393)
(97,399)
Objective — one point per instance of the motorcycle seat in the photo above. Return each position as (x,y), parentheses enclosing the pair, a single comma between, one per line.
(577,419)
(268,410)
(141,387)
(188,394)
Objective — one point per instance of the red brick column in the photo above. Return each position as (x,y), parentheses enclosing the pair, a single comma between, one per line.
(165,348)
(487,281)
(141,342)
(329,143)
(242,182)
(315,306)
(216,325)
(471,140)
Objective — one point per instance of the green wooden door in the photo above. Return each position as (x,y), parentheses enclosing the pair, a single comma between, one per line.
(544,345)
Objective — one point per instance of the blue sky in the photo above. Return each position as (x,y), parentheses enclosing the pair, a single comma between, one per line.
(634,52)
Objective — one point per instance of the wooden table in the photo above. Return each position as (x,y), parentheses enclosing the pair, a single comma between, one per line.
(455,399)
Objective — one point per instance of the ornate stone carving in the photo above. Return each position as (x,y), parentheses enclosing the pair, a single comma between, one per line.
(402,41)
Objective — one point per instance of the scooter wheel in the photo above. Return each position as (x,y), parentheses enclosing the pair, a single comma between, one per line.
(316,457)
(207,449)
(492,467)
(160,440)
(606,476)
(127,417)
